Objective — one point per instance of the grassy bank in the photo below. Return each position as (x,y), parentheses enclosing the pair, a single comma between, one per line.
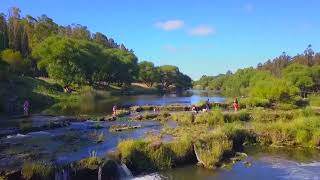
(218,135)
(46,94)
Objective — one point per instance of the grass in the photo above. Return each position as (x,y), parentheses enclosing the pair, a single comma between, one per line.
(302,131)
(314,100)
(213,148)
(212,118)
(148,156)
(37,170)
(241,115)
(184,118)
(92,162)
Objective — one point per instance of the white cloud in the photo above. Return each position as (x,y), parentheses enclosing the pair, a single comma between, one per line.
(170,25)
(202,31)
(248,7)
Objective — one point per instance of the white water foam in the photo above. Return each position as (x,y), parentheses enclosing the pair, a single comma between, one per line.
(154,176)
(17,136)
(294,170)
(40,133)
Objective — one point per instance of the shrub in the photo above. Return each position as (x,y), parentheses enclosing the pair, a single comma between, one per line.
(212,149)
(13,58)
(37,170)
(255,102)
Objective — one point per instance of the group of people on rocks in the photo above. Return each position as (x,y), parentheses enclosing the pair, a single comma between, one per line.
(235,106)
(194,109)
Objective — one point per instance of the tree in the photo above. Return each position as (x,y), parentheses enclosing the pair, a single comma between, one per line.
(168,75)
(300,76)
(172,78)
(126,67)
(14,29)
(13,58)
(148,73)
(67,60)
(3,32)
(80,32)
(101,39)
(308,52)
(275,90)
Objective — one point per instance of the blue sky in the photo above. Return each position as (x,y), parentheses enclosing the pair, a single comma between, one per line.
(200,37)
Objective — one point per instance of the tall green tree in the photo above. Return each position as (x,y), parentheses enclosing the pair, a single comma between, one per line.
(148,73)
(300,76)
(4,41)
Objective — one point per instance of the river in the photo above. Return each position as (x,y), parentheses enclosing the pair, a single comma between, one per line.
(77,140)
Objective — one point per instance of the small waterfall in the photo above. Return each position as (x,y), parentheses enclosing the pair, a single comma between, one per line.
(99,173)
(62,175)
(124,172)
(198,157)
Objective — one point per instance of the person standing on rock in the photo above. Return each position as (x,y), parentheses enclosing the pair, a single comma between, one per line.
(114,110)
(26,108)
(207,105)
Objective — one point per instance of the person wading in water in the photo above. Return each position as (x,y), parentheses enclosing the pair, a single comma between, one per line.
(114,111)
(26,108)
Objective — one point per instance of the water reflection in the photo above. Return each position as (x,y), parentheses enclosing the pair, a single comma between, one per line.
(103,105)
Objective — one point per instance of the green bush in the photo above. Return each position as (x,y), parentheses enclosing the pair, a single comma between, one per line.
(255,102)
(37,170)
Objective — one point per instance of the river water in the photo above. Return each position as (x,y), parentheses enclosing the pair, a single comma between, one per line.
(266,163)
(99,106)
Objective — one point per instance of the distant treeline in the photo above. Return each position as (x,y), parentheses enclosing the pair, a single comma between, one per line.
(73,55)
(280,79)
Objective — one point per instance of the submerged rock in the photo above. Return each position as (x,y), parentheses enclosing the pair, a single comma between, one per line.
(247,163)
(123,127)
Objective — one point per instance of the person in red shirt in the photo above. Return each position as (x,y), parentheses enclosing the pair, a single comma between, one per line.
(236,106)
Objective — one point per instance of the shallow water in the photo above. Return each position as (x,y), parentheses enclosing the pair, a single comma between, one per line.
(68,144)
(104,105)
(267,163)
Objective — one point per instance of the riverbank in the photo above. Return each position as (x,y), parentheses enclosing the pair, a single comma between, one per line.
(48,94)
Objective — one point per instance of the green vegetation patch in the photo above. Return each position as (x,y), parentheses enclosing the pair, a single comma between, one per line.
(37,170)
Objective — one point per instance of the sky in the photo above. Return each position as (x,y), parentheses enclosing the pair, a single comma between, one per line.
(201,37)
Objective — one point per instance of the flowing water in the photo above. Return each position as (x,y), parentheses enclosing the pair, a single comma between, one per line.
(266,164)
